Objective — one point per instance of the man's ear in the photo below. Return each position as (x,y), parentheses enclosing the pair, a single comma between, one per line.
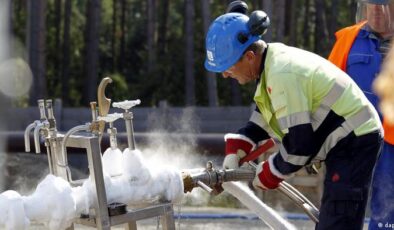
(250,55)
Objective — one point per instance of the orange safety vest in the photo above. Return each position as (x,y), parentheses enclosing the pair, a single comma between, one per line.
(338,56)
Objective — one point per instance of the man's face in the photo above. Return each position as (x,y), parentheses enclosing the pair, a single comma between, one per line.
(242,70)
(380,17)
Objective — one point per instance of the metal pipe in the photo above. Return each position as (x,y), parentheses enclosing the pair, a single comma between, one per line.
(49,107)
(27,135)
(128,117)
(51,118)
(224,175)
(52,134)
(300,200)
(49,155)
(294,190)
(85,127)
(41,107)
(78,128)
(35,124)
(93,108)
(37,137)
(112,136)
(110,118)
(215,177)
(51,123)
(205,187)
(311,211)
(297,197)
(252,202)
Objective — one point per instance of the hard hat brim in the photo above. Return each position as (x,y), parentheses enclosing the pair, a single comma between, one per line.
(219,68)
(212,68)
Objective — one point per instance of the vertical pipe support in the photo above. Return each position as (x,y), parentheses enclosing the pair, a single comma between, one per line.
(128,117)
(112,136)
(41,107)
(52,137)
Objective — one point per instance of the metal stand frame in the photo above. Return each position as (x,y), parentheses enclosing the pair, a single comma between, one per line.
(101,219)
(57,160)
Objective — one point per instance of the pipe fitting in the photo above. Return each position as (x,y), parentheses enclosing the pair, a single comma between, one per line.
(27,135)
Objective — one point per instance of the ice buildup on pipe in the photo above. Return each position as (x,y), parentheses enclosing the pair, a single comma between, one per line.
(55,203)
(12,211)
(112,161)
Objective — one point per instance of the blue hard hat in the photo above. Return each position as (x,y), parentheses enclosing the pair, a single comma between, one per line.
(227,39)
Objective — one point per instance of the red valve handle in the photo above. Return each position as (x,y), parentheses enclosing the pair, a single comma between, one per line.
(260,150)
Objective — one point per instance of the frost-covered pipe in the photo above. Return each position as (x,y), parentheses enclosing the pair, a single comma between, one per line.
(263,211)
(56,204)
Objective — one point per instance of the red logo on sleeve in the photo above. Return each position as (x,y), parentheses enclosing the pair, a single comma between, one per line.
(335,177)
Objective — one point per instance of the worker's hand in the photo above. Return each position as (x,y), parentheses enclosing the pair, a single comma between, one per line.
(237,147)
(264,178)
(231,161)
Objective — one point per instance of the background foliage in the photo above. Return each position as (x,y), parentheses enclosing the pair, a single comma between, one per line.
(124,51)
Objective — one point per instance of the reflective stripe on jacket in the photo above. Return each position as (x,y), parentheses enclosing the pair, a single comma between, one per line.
(309,105)
(357,54)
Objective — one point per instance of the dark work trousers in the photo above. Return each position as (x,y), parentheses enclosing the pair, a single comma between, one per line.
(349,167)
(382,195)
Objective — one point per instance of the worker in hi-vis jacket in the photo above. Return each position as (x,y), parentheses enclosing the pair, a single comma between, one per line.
(311,108)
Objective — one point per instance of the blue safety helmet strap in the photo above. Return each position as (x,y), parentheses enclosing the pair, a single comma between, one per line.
(227,39)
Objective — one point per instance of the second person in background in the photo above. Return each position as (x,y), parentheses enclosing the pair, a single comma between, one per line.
(359,51)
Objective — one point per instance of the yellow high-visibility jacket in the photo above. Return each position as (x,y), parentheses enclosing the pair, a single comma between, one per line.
(308,105)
